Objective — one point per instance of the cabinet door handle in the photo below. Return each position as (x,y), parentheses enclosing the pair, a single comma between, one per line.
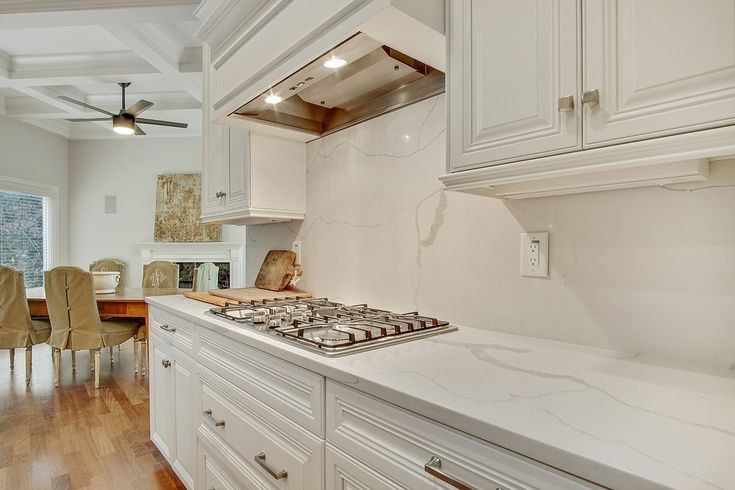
(566,104)
(166,363)
(591,98)
(220,194)
(260,460)
(434,468)
(167,328)
(208,415)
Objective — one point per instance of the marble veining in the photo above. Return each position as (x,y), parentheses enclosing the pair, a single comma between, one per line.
(637,270)
(620,420)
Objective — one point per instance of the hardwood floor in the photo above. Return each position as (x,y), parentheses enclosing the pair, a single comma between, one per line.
(76,437)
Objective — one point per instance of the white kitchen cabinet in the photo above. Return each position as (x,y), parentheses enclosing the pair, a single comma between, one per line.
(660,66)
(510,65)
(173,416)
(649,102)
(252,178)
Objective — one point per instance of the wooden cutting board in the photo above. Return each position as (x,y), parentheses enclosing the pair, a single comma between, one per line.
(277,270)
(257,295)
(209,298)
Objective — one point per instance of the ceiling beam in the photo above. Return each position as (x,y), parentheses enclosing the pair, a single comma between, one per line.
(18,6)
(159,50)
(34,15)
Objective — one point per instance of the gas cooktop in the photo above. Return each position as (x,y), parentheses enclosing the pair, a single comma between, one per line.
(332,328)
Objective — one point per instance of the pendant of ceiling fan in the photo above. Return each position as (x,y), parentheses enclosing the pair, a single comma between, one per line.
(126,121)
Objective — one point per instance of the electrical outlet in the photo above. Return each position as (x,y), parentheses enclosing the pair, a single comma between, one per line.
(296,247)
(535,254)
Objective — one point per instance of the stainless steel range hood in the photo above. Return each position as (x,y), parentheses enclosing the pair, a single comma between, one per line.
(320,100)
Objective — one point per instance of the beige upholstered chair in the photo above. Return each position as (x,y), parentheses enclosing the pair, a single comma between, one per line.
(109,265)
(17,329)
(161,274)
(206,277)
(75,320)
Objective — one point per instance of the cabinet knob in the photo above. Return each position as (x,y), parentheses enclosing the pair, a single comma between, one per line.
(591,98)
(165,363)
(566,104)
(220,194)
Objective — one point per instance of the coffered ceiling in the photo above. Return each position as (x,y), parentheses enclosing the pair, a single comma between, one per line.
(81,49)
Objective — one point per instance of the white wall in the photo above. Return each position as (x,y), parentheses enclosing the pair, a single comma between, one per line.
(127,168)
(647,271)
(30,153)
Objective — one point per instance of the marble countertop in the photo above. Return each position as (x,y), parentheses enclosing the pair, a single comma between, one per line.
(614,419)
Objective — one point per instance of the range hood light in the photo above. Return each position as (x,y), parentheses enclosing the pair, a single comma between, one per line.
(273,99)
(334,63)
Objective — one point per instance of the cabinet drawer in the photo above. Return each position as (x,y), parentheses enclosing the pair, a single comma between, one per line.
(270,446)
(343,472)
(296,393)
(398,444)
(173,330)
(214,477)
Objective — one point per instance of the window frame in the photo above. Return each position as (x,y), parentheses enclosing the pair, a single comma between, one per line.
(49,191)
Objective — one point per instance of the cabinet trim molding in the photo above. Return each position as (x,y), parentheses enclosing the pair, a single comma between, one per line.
(712,143)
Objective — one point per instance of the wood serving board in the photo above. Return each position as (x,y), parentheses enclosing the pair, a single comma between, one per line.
(257,295)
(277,270)
(209,298)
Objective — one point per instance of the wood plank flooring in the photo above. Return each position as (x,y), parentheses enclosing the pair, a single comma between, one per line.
(76,437)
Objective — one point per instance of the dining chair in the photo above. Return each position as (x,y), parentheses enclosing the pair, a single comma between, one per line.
(161,274)
(17,328)
(75,319)
(206,277)
(109,265)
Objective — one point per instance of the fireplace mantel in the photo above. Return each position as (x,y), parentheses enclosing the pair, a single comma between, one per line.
(231,252)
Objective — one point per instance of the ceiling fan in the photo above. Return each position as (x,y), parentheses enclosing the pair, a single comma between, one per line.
(127,120)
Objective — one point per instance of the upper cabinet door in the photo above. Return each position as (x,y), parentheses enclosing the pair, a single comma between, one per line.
(660,67)
(215,168)
(510,63)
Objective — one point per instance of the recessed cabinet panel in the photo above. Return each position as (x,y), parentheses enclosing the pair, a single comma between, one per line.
(510,63)
(161,400)
(238,188)
(215,171)
(661,67)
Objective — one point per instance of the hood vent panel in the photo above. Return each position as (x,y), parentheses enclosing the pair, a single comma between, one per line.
(376,79)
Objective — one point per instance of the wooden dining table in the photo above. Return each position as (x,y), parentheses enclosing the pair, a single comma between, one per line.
(123,303)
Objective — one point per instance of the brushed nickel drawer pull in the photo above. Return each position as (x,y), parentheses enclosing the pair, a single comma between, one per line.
(434,468)
(165,363)
(260,460)
(208,415)
(167,328)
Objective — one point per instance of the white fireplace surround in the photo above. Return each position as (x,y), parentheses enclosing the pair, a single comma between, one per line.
(231,252)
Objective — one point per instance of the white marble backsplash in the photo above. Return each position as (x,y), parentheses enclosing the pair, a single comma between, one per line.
(647,271)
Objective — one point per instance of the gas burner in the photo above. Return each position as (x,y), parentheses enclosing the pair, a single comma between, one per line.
(332,328)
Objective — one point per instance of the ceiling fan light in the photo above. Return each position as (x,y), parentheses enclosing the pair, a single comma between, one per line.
(123,124)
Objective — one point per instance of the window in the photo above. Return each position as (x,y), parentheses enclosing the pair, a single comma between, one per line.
(27,229)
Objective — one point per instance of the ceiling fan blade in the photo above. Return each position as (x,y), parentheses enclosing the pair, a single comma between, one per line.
(84,104)
(161,123)
(138,131)
(93,119)
(138,107)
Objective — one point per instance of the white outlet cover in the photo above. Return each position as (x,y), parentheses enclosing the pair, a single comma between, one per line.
(296,247)
(535,254)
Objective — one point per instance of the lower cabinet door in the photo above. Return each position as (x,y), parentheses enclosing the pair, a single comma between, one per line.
(161,399)
(186,418)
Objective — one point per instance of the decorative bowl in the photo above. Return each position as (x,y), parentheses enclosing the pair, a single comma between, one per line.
(105,282)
